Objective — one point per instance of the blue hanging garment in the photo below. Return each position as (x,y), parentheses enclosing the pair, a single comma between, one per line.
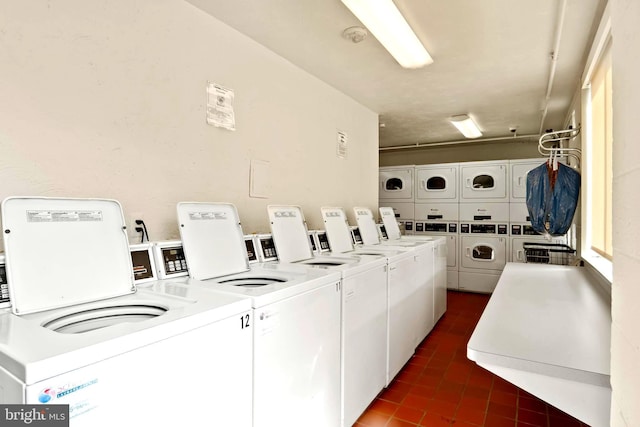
(552,198)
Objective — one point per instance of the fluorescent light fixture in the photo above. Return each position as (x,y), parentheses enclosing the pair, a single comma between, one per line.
(466,126)
(386,23)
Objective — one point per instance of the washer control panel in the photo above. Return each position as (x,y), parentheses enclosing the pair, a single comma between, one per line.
(4,287)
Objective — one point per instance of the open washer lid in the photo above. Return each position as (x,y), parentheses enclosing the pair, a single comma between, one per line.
(337,228)
(367,226)
(390,223)
(62,252)
(212,239)
(290,234)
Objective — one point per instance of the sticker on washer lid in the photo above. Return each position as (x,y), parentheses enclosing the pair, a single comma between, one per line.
(196,216)
(332,214)
(63,216)
(286,214)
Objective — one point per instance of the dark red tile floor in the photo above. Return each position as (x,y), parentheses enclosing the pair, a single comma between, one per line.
(440,387)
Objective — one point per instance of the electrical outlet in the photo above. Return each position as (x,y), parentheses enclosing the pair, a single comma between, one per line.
(131,226)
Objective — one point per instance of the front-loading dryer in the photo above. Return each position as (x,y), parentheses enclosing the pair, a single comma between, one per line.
(437,183)
(396,184)
(519,169)
(484,245)
(79,332)
(484,182)
(296,358)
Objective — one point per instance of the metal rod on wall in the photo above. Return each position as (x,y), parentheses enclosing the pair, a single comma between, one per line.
(464,141)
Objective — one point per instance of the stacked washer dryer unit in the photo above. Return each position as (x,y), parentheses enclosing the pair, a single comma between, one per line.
(520,229)
(436,210)
(484,219)
(80,333)
(296,326)
(363,314)
(396,191)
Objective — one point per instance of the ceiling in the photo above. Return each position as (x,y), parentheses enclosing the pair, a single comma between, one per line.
(492,60)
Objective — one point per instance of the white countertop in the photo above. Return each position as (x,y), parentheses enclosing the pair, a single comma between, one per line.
(546,321)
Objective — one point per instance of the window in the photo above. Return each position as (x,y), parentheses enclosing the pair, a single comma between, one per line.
(600,143)
(601,153)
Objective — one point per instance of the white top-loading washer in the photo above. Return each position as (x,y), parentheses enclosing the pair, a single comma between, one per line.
(289,227)
(370,236)
(426,247)
(79,333)
(364,302)
(296,366)
(409,313)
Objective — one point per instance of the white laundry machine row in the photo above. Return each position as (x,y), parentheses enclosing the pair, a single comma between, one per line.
(363,316)
(441,219)
(484,245)
(366,314)
(296,322)
(440,253)
(422,308)
(80,333)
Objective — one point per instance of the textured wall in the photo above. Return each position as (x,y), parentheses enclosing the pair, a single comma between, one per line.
(625,334)
(107,99)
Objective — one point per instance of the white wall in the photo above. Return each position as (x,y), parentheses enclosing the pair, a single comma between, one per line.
(107,99)
(625,332)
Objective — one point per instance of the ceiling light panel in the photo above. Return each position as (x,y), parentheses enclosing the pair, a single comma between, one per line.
(466,126)
(383,19)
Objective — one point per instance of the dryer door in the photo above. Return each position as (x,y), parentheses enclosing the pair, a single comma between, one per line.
(519,173)
(396,184)
(438,183)
(483,181)
(484,252)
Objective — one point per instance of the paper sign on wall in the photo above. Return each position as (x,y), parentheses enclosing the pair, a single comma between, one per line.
(341,145)
(220,106)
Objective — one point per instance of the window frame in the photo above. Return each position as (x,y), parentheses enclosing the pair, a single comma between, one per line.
(600,262)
